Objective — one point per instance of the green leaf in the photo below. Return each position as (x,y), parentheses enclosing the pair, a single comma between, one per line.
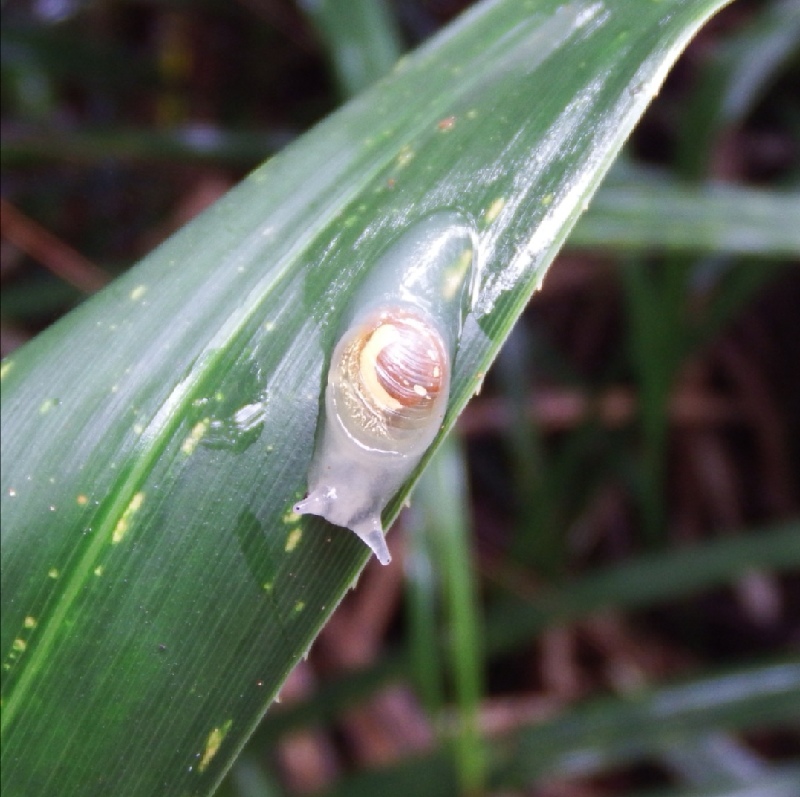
(646,580)
(157,587)
(616,730)
(600,734)
(179,144)
(779,782)
(644,213)
(514,621)
(733,79)
(362,39)
(439,530)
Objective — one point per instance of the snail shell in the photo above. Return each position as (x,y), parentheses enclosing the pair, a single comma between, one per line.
(389,377)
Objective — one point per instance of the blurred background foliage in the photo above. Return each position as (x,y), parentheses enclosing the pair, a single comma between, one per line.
(597,589)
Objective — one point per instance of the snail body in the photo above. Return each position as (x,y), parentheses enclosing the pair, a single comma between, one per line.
(389,377)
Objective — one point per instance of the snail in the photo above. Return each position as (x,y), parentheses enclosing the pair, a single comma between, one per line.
(389,377)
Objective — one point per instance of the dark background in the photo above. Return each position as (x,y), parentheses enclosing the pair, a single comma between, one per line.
(122,120)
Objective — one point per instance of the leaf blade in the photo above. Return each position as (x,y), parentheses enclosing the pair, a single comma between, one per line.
(148,531)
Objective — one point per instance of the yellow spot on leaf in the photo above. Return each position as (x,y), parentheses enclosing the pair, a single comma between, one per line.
(454,277)
(138,292)
(213,743)
(124,523)
(195,436)
(47,405)
(52,572)
(405,156)
(30,622)
(98,571)
(299,606)
(82,500)
(295,535)
(19,645)
(494,210)
(5,368)
(291,517)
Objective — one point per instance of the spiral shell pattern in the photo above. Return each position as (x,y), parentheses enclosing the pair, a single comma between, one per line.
(389,375)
